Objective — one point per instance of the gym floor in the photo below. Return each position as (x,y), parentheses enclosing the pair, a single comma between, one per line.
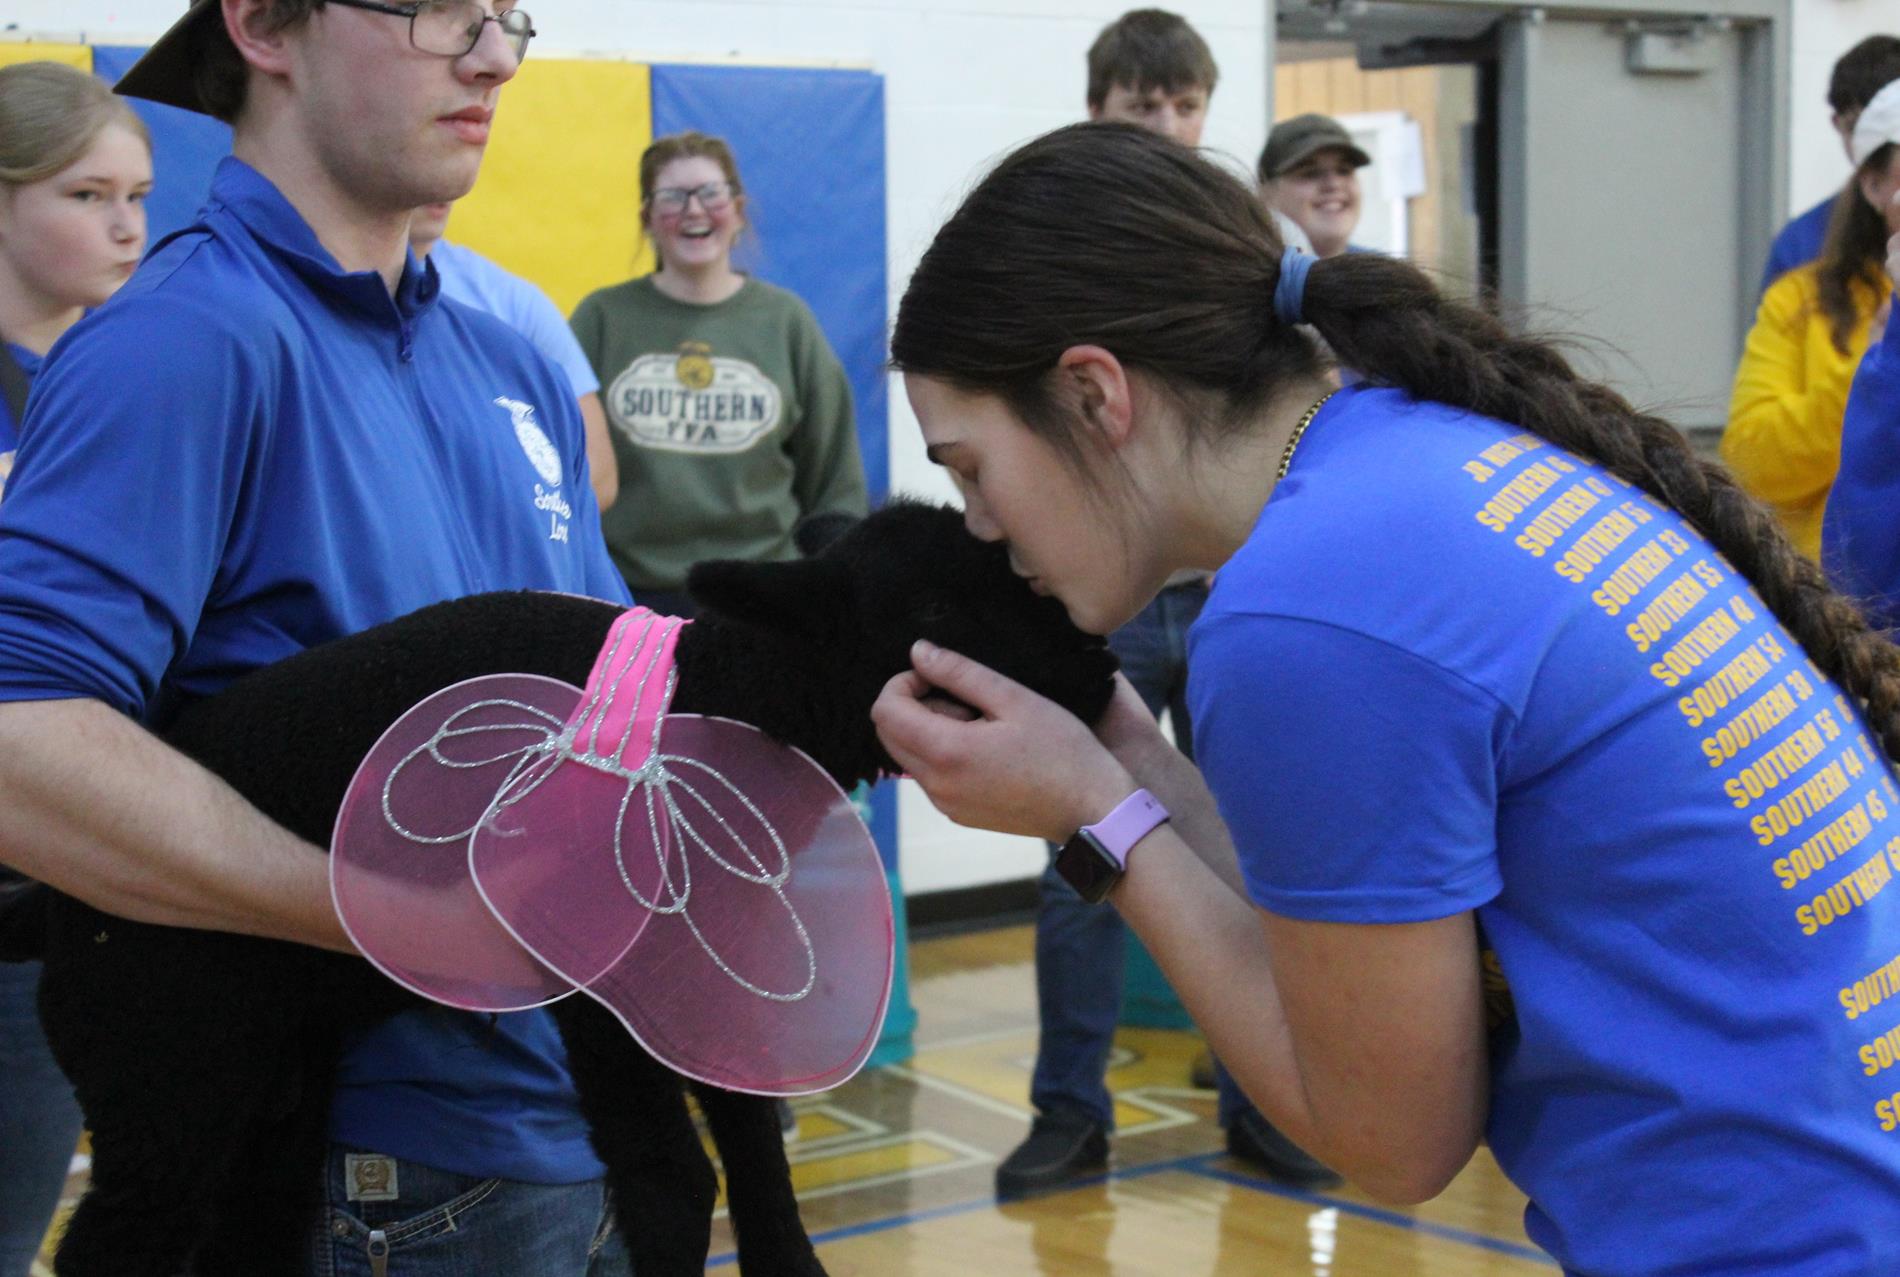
(895,1168)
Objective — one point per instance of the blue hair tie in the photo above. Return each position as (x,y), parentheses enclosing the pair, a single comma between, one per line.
(1289,295)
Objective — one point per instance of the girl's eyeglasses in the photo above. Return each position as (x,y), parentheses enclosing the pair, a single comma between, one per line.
(712,197)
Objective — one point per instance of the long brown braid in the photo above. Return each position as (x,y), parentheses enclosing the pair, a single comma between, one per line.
(1434,348)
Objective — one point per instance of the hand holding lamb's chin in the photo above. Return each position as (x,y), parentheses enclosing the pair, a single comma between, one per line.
(1023,765)
(948,706)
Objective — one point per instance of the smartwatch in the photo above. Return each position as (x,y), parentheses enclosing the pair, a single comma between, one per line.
(1095,859)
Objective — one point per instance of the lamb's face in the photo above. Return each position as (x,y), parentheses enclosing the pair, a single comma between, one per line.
(907,572)
(918,573)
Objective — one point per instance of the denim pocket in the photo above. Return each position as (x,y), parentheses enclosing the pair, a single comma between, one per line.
(399,1221)
(440,1224)
(363,1237)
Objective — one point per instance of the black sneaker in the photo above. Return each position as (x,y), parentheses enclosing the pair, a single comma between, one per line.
(1061,1147)
(1254,1140)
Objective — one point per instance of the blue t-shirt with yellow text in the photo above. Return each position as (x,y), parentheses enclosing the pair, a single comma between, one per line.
(1456,668)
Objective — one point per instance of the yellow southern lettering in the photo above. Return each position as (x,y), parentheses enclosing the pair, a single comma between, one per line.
(1603,539)
(1881,1053)
(1731,682)
(1517,496)
(1862,883)
(1777,766)
(1681,597)
(1758,718)
(1800,805)
(1632,577)
(1689,652)
(1561,515)
(1878,985)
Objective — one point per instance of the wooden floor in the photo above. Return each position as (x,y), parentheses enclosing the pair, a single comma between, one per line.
(895,1168)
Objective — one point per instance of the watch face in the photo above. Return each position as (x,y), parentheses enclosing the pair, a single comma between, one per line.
(1086,865)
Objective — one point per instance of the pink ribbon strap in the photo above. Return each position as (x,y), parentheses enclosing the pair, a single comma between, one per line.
(628,692)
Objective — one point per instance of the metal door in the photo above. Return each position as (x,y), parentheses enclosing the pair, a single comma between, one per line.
(1622,195)
(1640,169)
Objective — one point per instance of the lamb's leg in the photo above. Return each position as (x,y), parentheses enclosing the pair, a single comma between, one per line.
(663,1185)
(772,1238)
(167,1036)
(164,1140)
(273,1197)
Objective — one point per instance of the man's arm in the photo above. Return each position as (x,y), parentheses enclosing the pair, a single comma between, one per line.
(106,812)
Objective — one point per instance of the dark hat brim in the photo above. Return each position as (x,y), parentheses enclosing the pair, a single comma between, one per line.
(1313,146)
(167,72)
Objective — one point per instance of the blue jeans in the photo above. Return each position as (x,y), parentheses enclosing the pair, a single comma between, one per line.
(448,1225)
(1079,945)
(39,1122)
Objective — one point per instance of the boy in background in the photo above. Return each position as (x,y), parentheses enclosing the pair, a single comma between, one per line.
(1148,68)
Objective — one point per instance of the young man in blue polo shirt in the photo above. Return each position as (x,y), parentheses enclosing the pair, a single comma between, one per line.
(275,436)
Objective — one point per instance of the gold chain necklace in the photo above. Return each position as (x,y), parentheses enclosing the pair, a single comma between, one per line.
(1293,441)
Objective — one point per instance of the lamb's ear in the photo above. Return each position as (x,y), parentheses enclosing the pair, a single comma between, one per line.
(815,532)
(805,596)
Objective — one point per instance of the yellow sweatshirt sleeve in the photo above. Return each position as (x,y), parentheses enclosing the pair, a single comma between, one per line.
(1784,430)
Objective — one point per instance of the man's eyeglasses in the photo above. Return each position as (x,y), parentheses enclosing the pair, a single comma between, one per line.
(452,28)
(712,197)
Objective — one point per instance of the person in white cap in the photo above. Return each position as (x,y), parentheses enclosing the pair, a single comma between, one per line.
(276,435)
(1860,73)
(1784,429)
(1860,536)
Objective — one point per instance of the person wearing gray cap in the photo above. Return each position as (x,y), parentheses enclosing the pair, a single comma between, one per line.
(1309,173)
(283,435)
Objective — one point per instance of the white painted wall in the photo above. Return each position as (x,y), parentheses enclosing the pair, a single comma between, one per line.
(966,80)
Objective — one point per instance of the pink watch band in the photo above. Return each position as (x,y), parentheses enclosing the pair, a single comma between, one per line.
(1133,819)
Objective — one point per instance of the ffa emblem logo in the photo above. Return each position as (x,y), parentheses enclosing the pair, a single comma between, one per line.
(694,401)
(534,441)
(694,367)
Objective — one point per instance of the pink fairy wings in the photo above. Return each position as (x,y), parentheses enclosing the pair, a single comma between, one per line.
(512,839)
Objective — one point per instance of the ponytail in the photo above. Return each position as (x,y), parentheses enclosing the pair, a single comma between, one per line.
(1385,319)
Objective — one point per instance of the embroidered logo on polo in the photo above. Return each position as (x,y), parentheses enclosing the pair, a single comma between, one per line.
(692,400)
(546,460)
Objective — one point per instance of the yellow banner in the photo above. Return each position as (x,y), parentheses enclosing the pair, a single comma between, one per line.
(558,201)
(72,55)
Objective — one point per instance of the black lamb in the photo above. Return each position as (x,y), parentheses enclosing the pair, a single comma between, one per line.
(205,1061)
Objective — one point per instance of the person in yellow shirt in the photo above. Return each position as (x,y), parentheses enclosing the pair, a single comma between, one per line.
(1784,425)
